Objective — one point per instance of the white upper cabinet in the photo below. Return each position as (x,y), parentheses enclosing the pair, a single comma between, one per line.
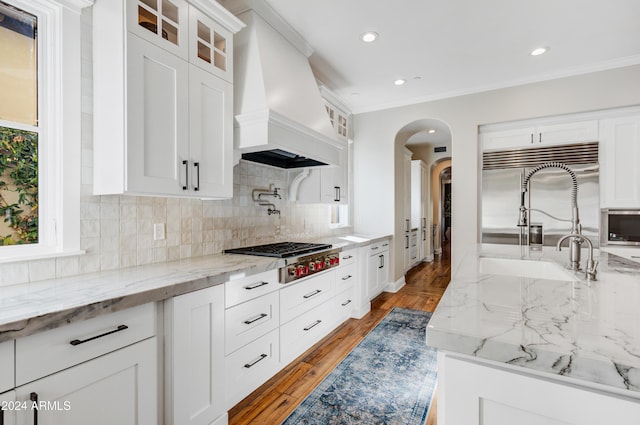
(161,22)
(620,162)
(538,134)
(211,134)
(163,108)
(210,45)
(158,105)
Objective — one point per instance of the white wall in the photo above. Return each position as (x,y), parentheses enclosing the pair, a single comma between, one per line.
(378,163)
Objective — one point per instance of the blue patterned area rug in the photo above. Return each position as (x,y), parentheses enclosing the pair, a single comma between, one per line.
(387,379)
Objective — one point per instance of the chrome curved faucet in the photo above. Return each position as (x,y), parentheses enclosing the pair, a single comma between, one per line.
(576,237)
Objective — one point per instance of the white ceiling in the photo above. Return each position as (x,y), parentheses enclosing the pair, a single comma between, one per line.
(445,48)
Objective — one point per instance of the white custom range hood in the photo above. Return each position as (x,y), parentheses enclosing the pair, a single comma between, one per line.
(280,117)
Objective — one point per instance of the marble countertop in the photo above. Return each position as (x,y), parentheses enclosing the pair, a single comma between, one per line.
(33,307)
(589,331)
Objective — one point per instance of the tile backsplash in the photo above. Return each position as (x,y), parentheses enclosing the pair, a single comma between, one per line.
(117,231)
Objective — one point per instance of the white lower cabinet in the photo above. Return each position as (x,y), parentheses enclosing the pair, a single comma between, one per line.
(250,366)
(471,393)
(194,363)
(377,268)
(118,388)
(7,366)
(305,330)
(7,408)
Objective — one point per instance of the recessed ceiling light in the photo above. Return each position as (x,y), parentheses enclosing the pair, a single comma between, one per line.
(369,36)
(431,131)
(539,51)
(399,82)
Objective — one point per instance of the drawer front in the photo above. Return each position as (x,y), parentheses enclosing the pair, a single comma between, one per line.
(343,305)
(378,247)
(250,366)
(48,352)
(247,288)
(346,276)
(302,296)
(348,257)
(6,366)
(250,320)
(300,334)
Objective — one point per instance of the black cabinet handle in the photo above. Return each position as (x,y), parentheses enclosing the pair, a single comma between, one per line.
(34,398)
(313,325)
(186,175)
(118,329)
(346,303)
(253,363)
(255,285)
(347,277)
(407,242)
(258,317)
(337,194)
(311,294)
(348,257)
(539,137)
(196,165)
(532,138)
(381,257)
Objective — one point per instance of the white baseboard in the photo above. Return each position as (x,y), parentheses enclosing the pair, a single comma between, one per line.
(395,286)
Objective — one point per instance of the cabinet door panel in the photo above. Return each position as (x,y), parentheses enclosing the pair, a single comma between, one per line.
(503,139)
(7,362)
(210,45)
(161,22)
(158,118)
(211,142)
(559,134)
(195,361)
(118,388)
(620,161)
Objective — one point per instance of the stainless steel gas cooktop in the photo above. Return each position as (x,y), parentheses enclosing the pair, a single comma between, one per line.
(301,259)
(280,249)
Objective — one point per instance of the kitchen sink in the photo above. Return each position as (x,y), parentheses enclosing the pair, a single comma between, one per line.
(355,239)
(524,268)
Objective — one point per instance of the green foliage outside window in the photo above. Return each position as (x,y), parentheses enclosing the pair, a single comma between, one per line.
(18,186)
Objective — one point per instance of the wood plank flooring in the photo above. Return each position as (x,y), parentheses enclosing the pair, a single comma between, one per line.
(277,398)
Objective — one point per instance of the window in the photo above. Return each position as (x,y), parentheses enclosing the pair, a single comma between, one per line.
(18,127)
(39,128)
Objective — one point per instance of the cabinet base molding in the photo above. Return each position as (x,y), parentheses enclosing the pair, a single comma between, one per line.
(395,286)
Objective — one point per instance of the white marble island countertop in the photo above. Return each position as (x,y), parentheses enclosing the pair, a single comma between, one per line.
(564,326)
(29,308)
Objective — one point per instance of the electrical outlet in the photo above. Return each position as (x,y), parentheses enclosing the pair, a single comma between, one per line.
(158,231)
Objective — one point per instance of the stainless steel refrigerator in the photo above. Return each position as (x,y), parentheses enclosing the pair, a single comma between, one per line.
(549,191)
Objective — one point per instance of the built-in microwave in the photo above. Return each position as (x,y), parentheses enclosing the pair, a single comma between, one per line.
(620,227)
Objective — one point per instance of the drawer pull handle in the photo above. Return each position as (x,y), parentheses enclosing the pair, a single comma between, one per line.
(260,316)
(255,285)
(311,294)
(34,399)
(347,302)
(347,277)
(348,257)
(316,323)
(374,248)
(385,244)
(253,363)
(118,329)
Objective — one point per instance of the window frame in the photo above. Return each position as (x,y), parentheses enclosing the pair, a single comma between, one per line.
(59,129)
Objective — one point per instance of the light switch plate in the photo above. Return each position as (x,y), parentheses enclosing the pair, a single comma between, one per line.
(158,231)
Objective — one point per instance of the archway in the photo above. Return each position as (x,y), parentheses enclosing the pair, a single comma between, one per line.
(429,141)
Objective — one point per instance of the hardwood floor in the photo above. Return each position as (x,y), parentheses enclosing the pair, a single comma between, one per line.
(277,398)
